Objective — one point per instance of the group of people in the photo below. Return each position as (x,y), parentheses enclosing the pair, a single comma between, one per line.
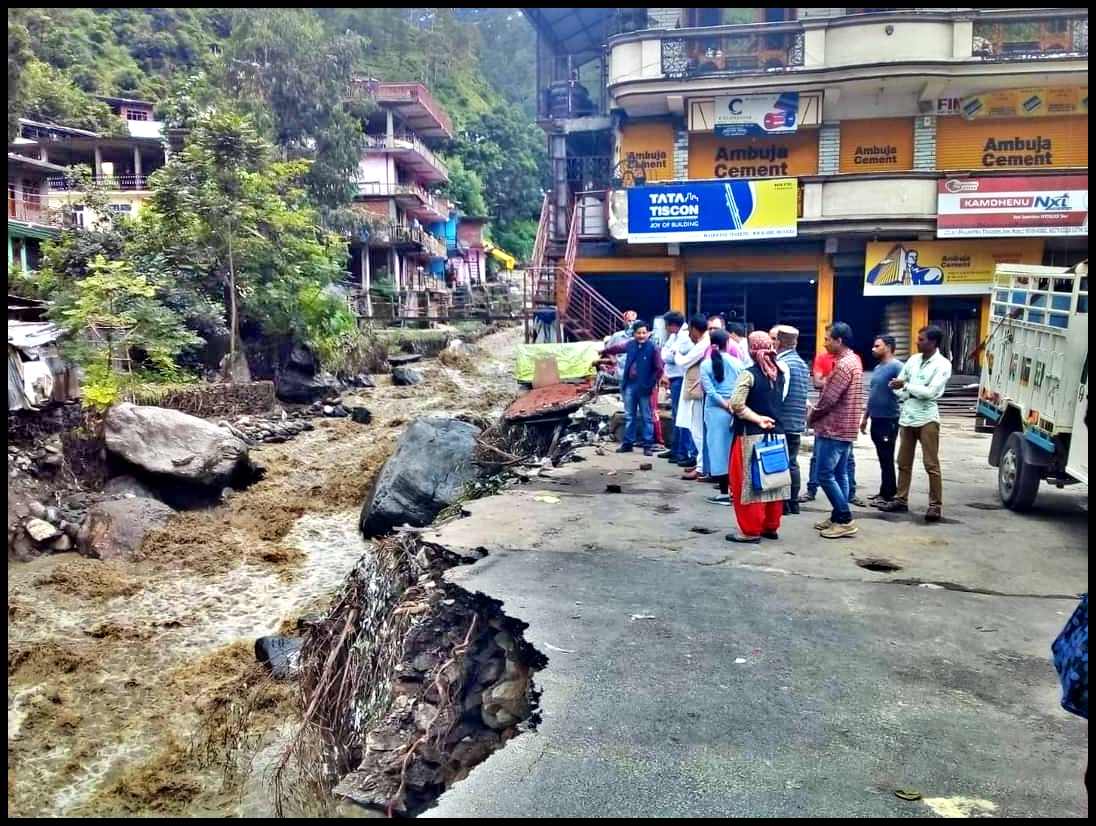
(734,394)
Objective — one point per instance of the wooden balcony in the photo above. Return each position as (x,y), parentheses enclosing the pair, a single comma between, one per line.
(412,197)
(1015,36)
(739,49)
(28,210)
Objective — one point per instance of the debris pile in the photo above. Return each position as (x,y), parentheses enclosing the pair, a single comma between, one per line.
(410,681)
(544,427)
(41,458)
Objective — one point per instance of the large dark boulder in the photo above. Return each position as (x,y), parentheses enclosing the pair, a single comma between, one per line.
(428,472)
(175,445)
(405,376)
(298,380)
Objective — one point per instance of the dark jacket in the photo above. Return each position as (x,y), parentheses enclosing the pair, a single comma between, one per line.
(642,365)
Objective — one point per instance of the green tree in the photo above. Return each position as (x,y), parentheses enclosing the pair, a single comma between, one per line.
(112,316)
(227,219)
(506,151)
(465,187)
(19,53)
(291,74)
(48,94)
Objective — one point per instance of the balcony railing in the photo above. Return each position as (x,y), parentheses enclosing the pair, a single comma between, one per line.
(436,208)
(115,182)
(404,141)
(388,234)
(755,47)
(26,210)
(1031,38)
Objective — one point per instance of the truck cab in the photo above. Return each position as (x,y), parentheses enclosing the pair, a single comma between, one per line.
(1033,392)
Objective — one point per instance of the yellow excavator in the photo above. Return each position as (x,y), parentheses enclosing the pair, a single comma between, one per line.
(504,258)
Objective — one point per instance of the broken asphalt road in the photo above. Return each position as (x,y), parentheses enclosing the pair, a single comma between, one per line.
(687,678)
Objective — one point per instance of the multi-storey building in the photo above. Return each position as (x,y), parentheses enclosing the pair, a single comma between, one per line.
(398,191)
(28,221)
(809,165)
(122,163)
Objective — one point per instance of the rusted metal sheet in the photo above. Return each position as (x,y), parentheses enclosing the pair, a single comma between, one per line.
(554,400)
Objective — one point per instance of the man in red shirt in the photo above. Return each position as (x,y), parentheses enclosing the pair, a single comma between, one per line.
(836,421)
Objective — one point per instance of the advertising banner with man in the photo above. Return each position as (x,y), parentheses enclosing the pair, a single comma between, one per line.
(986,207)
(773,114)
(942,267)
(713,211)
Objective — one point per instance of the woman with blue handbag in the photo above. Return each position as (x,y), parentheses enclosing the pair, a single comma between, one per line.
(718,376)
(759,469)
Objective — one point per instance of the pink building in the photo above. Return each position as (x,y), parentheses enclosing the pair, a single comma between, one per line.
(398,192)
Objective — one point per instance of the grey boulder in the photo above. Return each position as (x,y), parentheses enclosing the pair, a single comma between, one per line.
(175,445)
(429,471)
(116,528)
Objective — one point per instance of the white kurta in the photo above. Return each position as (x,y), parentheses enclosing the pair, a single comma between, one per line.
(690,412)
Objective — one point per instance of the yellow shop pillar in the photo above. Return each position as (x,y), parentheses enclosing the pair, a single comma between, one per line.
(823,302)
(919,317)
(983,325)
(677,286)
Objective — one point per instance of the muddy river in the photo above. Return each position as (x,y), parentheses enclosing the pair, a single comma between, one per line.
(132,687)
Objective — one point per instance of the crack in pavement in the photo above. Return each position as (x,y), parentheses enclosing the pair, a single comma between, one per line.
(906,581)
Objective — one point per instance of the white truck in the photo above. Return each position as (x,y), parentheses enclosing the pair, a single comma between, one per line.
(1034,386)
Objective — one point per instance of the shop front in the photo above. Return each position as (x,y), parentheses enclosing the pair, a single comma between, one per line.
(947,283)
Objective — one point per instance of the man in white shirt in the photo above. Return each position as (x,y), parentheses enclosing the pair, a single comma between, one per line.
(690,412)
(923,380)
(677,341)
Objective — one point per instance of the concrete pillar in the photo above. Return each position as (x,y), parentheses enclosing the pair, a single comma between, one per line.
(44,153)
(823,302)
(23,256)
(390,126)
(98,162)
(137,162)
(557,154)
(366,281)
(11,251)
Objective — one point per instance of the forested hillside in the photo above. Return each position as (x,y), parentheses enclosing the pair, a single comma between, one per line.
(246,233)
(286,69)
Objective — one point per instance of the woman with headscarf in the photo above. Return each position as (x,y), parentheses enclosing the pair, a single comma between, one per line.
(718,375)
(757,402)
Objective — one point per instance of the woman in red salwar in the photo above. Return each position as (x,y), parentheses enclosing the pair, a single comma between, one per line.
(757,403)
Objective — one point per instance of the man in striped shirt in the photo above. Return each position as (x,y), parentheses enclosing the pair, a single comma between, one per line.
(794,416)
(836,421)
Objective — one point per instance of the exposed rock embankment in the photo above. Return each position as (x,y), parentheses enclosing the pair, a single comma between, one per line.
(411,681)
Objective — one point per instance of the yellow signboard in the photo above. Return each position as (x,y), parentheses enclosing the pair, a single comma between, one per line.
(953,267)
(1025,103)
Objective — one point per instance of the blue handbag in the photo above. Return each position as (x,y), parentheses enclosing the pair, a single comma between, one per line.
(770,467)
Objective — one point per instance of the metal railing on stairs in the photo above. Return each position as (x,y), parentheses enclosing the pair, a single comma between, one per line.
(581,311)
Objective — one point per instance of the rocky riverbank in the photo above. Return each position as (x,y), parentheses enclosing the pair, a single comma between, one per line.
(133,688)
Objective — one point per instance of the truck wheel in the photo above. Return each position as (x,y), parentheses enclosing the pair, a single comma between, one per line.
(1017,480)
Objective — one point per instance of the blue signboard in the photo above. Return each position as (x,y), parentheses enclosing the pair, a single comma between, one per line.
(731,210)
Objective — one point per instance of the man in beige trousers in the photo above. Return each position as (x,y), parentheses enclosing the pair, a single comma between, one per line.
(923,379)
